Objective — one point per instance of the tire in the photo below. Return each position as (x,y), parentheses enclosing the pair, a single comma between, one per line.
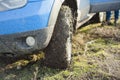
(58,52)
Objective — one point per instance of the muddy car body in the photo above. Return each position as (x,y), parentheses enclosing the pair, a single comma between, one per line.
(32,25)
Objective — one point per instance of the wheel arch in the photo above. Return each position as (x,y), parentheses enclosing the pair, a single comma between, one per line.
(73,5)
(56,8)
(55,12)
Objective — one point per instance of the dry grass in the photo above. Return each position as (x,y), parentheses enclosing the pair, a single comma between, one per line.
(106,32)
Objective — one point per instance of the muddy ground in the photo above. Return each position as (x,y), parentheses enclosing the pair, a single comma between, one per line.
(96,56)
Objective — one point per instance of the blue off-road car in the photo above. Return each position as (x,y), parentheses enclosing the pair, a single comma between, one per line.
(27,26)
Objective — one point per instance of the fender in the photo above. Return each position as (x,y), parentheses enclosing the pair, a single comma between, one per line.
(35,15)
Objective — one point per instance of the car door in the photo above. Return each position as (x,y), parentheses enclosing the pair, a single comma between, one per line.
(87,8)
(104,5)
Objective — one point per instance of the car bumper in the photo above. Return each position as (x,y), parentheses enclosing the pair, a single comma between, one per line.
(16,43)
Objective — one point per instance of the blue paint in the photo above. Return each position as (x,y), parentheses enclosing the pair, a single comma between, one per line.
(101,1)
(35,15)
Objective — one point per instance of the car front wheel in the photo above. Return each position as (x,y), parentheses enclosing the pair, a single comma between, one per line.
(58,52)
